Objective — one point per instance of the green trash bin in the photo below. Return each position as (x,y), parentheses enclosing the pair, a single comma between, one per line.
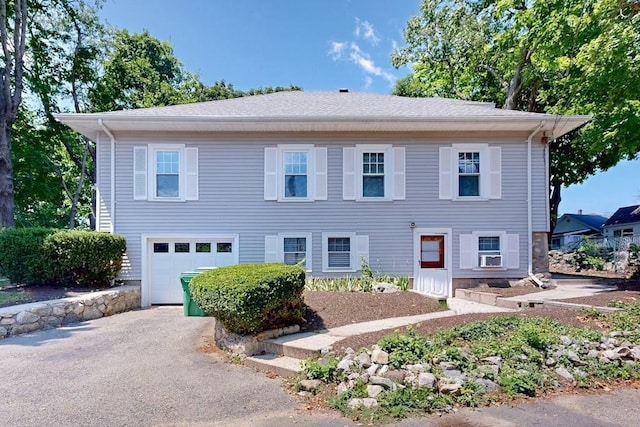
(190,306)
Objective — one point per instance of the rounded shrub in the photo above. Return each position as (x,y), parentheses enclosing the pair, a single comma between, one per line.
(22,258)
(86,258)
(250,298)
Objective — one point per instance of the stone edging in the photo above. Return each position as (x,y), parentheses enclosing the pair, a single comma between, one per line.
(25,318)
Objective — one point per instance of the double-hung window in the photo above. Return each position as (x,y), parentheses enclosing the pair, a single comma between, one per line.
(165,172)
(290,248)
(373,172)
(489,249)
(470,172)
(344,252)
(295,173)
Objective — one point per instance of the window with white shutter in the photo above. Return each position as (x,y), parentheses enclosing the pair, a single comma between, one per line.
(373,172)
(489,250)
(165,172)
(470,172)
(295,172)
(344,252)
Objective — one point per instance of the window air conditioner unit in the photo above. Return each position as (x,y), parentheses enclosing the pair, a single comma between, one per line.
(490,260)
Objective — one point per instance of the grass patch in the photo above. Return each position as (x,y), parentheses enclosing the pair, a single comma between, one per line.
(12,297)
(4,282)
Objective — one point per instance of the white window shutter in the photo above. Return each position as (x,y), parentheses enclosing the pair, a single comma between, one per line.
(495,173)
(271,173)
(399,173)
(513,251)
(468,251)
(321,173)
(446,172)
(362,251)
(139,173)
(271,253)
(349,173)
(191,176)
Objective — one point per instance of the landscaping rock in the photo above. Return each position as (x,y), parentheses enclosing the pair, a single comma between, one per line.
(427,379)
(394,375)
(494,360)
(487,385)
(445,366)
(27,317)
(450,386)
(371,370)
(385,382)
(563,373)
(374,390)
(342,388)
(363,359)
(489,369)
(344,365)
(454,373)
(386,288)
(380,357)
(310,385)
(356,403)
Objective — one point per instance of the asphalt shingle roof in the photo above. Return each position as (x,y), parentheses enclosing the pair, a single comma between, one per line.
(596,222)
(329,105)
(625,215)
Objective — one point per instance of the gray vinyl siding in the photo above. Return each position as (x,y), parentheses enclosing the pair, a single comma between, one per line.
(231,201)
(103,173)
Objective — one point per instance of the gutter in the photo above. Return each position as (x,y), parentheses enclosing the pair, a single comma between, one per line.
(530,208)
(112,173)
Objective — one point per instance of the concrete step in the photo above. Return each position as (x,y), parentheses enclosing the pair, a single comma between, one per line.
(296,346)
(283,366)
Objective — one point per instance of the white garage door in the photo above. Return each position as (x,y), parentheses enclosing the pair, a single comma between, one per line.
(170,257)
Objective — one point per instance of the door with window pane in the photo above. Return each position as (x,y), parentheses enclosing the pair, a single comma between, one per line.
(431,275)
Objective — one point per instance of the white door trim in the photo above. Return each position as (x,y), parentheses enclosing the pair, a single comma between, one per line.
(145,289)
(447,233)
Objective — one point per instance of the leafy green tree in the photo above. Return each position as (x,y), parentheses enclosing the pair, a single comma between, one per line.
(553,56)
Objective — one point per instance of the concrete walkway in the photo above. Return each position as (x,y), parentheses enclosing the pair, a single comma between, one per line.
(566,289)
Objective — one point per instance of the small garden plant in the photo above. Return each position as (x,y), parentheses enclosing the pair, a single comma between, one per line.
(362,283)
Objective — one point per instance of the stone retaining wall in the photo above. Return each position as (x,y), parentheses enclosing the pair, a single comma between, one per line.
(21,319)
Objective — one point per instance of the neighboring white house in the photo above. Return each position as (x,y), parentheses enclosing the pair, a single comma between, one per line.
(625,222)
(448,192)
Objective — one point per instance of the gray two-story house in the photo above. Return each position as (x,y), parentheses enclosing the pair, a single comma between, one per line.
(447,192)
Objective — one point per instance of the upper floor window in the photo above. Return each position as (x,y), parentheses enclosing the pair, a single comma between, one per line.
(373,172)
(470,172)
(165,172)
(295,172)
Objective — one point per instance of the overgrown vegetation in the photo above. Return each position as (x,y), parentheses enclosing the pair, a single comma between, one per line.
(35,256)
(590,256)
(362,283)
(250,298)
(519,355)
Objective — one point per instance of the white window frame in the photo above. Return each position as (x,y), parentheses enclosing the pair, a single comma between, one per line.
(470,250)
(308,250)
(490,181)
(274,174)
(352,256)
(394,172)
(184,174)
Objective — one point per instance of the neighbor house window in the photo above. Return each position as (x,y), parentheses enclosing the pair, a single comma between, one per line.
(469,174)
(372,174)
(295,174)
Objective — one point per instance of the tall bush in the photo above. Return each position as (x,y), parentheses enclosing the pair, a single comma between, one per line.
(22,258)
(86,258)
(38,256)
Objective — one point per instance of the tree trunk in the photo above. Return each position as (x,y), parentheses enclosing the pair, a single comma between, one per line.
(7,208)
(554,203)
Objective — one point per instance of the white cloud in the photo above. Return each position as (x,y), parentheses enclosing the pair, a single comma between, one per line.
(336,50)
(365,30)
(364,61)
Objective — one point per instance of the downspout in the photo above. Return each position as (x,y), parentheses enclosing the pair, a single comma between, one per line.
(530,208)
(112,207)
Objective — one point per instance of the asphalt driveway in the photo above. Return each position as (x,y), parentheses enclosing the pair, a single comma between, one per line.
(136,369)
(143,368)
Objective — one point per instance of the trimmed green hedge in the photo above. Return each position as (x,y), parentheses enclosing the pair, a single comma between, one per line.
(250,298)
(22,258)
(85,258)
(63,257)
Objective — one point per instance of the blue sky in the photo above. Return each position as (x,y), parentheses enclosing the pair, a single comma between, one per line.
(319,45)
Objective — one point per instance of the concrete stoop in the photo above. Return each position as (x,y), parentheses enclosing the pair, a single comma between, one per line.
(493,299)
(283,366)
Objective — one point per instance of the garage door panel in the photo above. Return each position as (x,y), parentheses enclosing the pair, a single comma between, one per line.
(169,258)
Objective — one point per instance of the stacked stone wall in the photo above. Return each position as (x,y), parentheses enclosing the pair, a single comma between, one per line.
(25,318)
